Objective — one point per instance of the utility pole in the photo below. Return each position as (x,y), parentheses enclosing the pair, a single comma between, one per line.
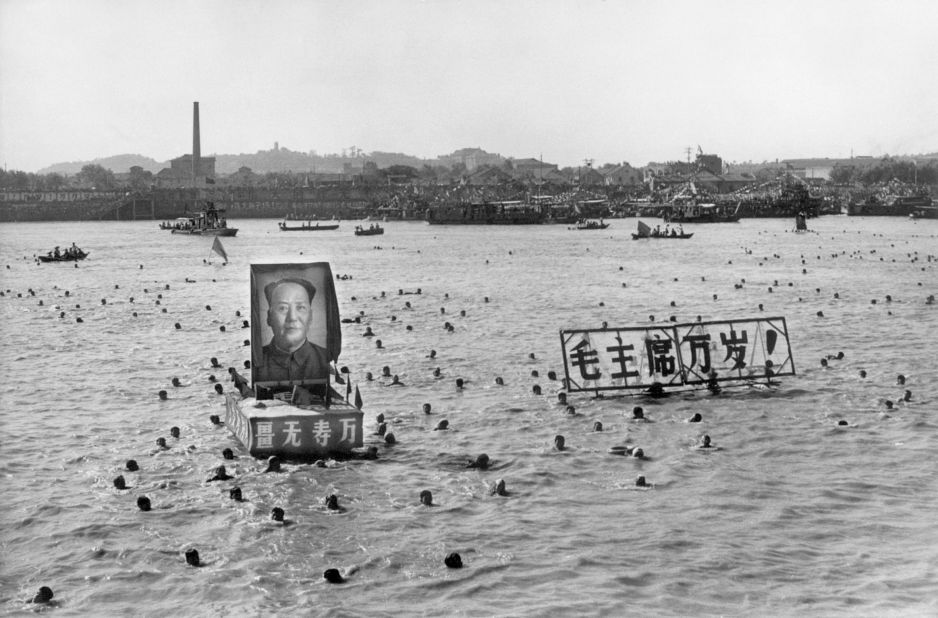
(688,150)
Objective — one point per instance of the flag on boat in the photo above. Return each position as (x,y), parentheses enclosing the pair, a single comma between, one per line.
(217,248)
(358,398)
(643,230)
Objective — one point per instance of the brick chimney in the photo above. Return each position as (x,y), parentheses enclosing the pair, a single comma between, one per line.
(196,145)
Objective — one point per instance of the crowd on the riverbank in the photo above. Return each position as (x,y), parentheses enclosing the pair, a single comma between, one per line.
(414,201)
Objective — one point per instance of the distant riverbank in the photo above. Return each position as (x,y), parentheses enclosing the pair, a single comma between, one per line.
(243,203)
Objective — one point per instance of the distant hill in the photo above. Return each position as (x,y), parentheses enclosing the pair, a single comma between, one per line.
(118,164)
(261,162)
(286,160)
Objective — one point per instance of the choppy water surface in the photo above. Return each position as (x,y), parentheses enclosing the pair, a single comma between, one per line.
(793,515)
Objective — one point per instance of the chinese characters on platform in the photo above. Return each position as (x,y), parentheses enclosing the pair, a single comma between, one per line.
(299,433)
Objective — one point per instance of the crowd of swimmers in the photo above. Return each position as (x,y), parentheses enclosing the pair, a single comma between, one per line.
(480,462)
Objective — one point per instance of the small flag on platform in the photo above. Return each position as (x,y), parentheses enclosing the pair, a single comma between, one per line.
(217,248)
(348,389)
(358,398)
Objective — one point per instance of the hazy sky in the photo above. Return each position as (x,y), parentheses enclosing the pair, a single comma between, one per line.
(613,81)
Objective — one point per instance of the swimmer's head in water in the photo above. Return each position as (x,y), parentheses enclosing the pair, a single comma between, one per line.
(638,412)
(44,595)
(481,462)
(276,513)
(332,576)
(559,442)
(192,557)
(640,482)
(143,503)
(332,502)
(235,494)
(426,498)
(453,561)
(131,465)
(273,464)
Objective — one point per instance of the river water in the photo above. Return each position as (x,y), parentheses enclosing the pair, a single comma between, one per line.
(792,514)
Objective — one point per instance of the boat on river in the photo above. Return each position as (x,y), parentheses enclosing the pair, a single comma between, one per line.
(701,213)
(585,224)
(372,230)
(915,206)
(209,222)
(64,257)
(291,410)
(306,226)
(513,212)
(646,232)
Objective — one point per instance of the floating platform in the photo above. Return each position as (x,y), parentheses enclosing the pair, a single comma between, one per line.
(273,427)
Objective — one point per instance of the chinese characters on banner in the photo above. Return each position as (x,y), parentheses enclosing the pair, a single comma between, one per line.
(676,355)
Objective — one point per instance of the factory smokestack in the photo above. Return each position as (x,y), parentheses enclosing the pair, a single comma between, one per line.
(196,145)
